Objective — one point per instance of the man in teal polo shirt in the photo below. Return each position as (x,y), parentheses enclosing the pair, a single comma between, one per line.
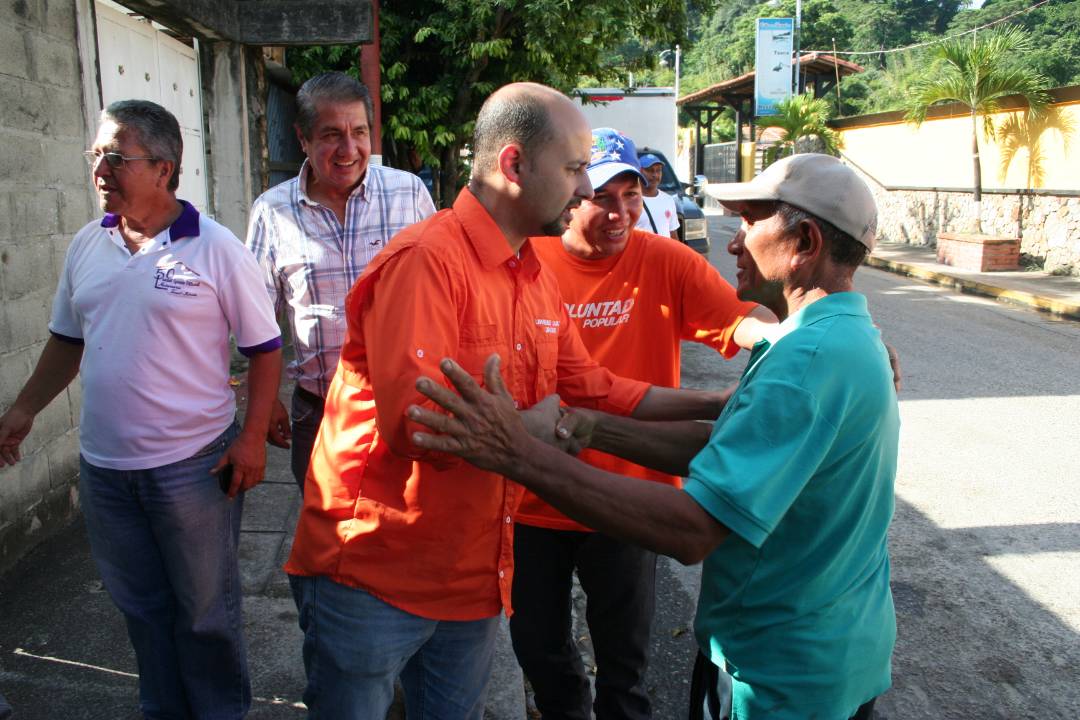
(788,497)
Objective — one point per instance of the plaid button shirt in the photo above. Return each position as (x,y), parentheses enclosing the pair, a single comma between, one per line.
(310,261)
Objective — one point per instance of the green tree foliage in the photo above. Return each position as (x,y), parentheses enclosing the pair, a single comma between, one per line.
(1055,26)
(884,24)
(441,58)
(727,49)
(802,116)
(881,88)
(977,71)
(725,43)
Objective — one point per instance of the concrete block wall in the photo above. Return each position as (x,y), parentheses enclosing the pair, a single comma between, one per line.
(1048,225)
(45,196)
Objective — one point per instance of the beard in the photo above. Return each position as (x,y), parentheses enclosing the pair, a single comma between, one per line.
(554,228)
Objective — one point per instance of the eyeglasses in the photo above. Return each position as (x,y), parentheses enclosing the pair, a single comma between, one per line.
(114,160)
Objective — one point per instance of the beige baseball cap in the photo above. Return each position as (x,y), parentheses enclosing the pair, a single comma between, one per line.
(819,184)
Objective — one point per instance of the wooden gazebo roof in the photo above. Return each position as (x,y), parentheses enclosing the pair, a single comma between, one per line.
(742,87)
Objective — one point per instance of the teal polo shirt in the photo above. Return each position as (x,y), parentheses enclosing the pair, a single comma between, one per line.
(795,603)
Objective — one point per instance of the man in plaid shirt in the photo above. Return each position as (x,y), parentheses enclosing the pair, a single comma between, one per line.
(315,234)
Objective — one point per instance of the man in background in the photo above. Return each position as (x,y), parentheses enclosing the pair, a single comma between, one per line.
(659,214)
(314,235)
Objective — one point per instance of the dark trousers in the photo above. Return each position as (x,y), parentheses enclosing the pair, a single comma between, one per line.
(618,580)
(706,698)
(305,416)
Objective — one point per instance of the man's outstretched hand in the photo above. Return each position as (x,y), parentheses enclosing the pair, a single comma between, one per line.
(484,427)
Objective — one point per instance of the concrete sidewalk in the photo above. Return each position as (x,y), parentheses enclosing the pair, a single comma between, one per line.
(1056,294)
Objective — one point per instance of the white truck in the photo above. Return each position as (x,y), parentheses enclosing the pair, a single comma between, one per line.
(647,116)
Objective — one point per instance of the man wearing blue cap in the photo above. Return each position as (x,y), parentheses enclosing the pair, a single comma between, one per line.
(634,297)
(659,213)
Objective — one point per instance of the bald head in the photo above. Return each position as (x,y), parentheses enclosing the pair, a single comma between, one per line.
(520,113)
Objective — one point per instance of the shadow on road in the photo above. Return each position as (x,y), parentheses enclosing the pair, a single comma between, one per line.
(972,643)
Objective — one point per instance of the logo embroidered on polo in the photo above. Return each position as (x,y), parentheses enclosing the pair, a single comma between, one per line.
(176,278)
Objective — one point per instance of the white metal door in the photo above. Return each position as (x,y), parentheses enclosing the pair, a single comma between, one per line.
(140,62)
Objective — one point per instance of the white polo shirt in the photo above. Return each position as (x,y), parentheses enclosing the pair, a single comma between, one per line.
(155,328)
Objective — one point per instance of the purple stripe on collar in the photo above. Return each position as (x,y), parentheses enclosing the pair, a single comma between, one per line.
(187,225)
(268,346)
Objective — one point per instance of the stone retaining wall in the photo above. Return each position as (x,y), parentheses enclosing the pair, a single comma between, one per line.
(1048,225)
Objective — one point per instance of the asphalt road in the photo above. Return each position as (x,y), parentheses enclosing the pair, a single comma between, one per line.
(985,542)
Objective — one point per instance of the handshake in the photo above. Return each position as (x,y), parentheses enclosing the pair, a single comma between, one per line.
(485,428)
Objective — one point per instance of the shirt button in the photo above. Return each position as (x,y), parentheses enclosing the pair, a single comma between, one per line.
(512,263)
(502,574)
(507,519)
(518,346)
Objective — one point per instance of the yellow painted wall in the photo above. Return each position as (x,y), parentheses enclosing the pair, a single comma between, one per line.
(938,154)
(746,158)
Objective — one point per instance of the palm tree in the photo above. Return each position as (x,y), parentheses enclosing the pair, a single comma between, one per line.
(978,72)
(802,116)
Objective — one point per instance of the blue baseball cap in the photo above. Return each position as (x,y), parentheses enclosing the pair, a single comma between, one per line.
(648,160)
(612,153)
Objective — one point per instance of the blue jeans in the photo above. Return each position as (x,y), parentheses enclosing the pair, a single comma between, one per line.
(305,417)
(165,542)
(355,645)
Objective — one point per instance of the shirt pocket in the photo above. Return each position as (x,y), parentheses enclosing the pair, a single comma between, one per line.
(476,343)
(547,366)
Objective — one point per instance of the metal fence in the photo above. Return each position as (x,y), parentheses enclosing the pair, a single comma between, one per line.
(719,164)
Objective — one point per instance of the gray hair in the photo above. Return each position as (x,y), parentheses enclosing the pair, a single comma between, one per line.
(843,249)
(331,87)
(155,129)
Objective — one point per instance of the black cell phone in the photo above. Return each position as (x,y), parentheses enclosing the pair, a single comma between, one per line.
(225,478)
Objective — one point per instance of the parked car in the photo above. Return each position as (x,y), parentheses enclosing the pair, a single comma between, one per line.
(693,228)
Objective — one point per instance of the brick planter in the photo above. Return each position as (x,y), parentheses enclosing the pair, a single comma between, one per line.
(981,253)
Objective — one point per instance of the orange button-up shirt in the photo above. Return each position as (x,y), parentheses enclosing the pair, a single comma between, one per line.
(427,533)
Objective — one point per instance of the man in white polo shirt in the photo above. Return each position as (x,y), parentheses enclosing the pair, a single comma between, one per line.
(146,302)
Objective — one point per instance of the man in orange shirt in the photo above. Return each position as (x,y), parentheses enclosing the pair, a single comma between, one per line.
(634,296)
(399,566)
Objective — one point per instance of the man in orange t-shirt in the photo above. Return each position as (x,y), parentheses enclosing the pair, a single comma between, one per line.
(403,559)
(634,297)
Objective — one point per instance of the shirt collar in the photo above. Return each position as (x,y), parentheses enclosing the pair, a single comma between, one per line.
(833,304)
(185,226)
(487,240)
(305,171)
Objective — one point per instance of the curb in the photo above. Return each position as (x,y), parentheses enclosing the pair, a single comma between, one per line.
(974,287)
